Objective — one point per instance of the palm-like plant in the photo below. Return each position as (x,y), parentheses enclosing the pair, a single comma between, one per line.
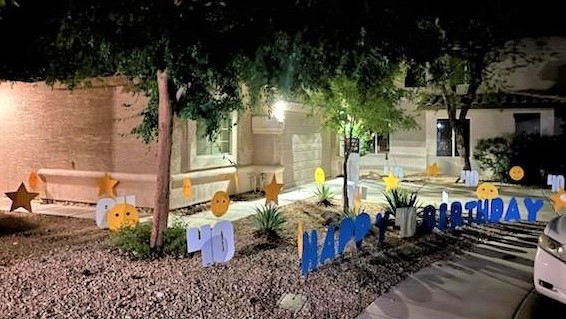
(268,220)
(324,195)
(400,198)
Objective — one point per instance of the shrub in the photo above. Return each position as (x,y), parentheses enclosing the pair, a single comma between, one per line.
(135,240)
(494,155)
(324,195)
(400,198)
(534,153)
(268,220)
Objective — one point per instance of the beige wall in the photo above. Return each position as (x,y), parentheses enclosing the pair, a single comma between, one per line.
(304,146)
(45,128)
(73,138)
(484,123)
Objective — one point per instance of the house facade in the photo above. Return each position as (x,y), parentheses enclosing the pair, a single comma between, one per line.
(535,102)
(72,138)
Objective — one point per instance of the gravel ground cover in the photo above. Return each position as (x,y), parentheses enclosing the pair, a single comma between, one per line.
(53,267)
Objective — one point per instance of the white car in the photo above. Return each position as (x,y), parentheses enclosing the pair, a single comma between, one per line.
(550,260)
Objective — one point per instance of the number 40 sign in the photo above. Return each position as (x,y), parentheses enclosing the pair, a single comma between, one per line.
(216,244)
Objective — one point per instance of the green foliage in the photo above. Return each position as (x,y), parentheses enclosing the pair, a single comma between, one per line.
(268,220)
(324,195)
(534,153)
(349,213)
(135,240)
(494,155)
(349,103)
(400,198)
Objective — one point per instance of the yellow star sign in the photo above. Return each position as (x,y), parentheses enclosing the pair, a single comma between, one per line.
(559,199)
(272,191)
(432,170)
(391,182)
(106,185)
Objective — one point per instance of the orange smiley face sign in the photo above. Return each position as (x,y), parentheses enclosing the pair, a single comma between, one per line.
(219,203)
(187,188)
(122,215)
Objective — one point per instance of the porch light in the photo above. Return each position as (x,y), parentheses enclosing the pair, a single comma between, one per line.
(279,111)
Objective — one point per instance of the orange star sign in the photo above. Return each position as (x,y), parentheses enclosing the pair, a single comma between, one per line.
(391,182)
(559,199)
(21,198)
(106,186)
(272,191)
(432,170)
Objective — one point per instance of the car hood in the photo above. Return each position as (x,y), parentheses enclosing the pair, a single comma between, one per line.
(556,229)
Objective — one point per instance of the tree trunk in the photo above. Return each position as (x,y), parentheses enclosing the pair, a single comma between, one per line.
(345,169)
(164,142)
(461,145)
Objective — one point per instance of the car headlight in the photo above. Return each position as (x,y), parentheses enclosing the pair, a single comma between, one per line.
(552,247)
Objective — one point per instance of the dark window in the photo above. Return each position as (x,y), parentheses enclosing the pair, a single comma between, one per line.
(222,144)
(446,138)
(527,123)
(378,143)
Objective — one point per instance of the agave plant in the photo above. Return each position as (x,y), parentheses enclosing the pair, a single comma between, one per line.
(400,198)
(350,212)
(324,195)
(268,220)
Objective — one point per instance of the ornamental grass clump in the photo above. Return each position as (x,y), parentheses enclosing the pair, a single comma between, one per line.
(324,195)
(268,221)
(400,198)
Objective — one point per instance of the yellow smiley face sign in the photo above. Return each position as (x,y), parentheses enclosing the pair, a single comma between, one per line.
(219,203)
(122,215)
(319,176)
(516,173)
(487,191)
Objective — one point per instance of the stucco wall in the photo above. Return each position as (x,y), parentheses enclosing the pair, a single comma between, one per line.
(483,124)
(41,127)
(303,145)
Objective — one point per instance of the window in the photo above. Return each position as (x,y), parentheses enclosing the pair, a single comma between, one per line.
(446,138)
(223,143)
(378,143)
(527,123)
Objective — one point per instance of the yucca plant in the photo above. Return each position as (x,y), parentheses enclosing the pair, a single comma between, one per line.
(324,195)
(350,212)
(268,221)
(400,198)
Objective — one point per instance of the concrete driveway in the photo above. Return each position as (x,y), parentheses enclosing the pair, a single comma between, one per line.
(493,280)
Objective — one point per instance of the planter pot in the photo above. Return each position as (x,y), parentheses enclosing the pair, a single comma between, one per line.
(406,218)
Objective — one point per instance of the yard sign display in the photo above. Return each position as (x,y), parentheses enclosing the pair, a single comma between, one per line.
(21,198)
(356,229)
(216,244)
(127,215)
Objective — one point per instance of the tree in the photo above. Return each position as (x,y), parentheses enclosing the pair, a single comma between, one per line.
(168,51)
(351,105)
(467,46)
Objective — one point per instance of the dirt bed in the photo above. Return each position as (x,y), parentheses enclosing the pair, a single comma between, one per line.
(53,267)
